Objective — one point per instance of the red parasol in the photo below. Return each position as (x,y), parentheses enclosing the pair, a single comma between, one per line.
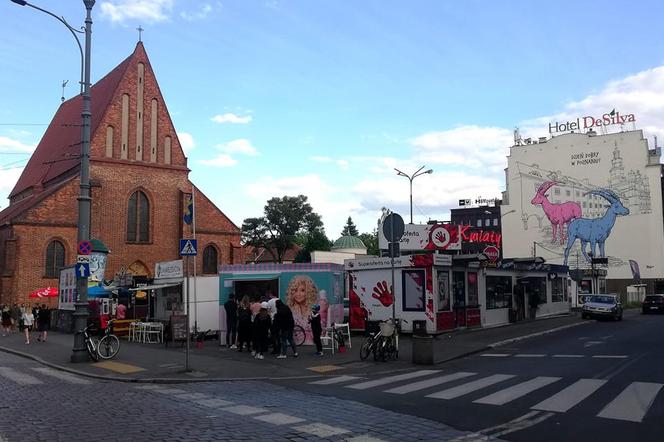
(47,292)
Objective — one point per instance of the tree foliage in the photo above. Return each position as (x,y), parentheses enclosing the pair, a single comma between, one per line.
(316,240)
(370,240)
(350,229)
(283,221)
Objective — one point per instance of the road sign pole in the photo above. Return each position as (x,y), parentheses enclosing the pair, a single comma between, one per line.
(186,358)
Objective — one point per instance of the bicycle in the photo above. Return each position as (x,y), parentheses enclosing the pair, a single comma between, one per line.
(389,345)
(91,343)
(109,344)
(298,335)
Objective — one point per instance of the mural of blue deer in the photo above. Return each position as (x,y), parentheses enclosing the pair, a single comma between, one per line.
(595,231)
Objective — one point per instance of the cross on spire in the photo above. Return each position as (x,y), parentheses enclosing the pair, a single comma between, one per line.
(140,30)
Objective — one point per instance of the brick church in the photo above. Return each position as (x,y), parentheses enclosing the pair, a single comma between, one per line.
(139,185)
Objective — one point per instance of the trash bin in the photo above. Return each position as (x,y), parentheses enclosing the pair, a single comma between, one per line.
(419,328)
(422,350)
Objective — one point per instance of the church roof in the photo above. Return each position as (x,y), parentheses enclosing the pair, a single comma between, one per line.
(348,242)
(58,152)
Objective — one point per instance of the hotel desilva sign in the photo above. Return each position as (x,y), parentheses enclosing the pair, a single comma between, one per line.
(589,122)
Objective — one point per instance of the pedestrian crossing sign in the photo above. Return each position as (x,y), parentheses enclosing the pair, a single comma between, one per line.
(188,247)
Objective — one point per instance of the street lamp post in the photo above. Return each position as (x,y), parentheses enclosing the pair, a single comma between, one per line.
(79,353)
(417,173)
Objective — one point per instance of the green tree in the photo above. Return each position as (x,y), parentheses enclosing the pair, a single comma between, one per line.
(370,240)
(316,240)
(284,219)
(350,229)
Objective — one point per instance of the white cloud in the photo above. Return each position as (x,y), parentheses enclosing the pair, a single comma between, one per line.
(232,118)
(344,164)
(240,146)
(223,160)
(151,11)
(203,12)
(321,159)
(8,179)
(11,145)
(186,141)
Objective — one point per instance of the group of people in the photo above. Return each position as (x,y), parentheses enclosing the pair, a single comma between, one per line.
(26,319)
(259,325)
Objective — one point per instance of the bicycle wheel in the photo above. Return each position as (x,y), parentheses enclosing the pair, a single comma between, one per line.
(366,348)
(108,347)
(379,349)
(91,345)
(298,335)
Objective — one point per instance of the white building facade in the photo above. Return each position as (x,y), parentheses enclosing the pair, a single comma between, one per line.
(585,188)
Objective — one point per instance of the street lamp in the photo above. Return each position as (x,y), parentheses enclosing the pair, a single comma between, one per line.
(417,173)
(79,353)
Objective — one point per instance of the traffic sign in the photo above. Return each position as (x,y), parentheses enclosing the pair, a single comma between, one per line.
(82,270)
(393,227)
(83,259)
(492,253)
(188,247)
(84,248)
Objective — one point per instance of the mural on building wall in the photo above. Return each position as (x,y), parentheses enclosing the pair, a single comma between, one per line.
(560,214)
(595,230)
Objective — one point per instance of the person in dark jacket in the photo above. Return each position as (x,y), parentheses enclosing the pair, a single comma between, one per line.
(262,323)
(43,322)
(284,324)
(316,328)
(244,324)
(231,321)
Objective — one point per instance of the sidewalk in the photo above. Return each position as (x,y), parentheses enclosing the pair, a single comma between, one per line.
(155,363)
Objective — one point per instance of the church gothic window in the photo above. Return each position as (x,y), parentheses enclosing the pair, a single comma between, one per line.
(55,258)
(138,218)
(210,259)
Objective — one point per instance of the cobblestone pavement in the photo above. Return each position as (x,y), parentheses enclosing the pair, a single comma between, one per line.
(43,404)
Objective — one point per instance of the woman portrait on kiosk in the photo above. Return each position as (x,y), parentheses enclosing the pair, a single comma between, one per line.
(300,296)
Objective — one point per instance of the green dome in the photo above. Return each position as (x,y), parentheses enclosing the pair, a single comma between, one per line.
(348,242)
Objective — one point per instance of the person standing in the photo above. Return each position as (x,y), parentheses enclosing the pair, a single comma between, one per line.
(244,324)
(16,317)
(28,321)
(275,340)
(231,321)
(6,321)
(284,324)
(262,323)
(43,323)
(316,328)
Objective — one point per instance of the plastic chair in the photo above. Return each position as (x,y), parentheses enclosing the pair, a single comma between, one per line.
(328,340)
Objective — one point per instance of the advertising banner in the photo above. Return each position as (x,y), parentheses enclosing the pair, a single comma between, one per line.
(418,237)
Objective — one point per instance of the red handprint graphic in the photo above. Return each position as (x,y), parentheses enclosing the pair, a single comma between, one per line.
(383,293)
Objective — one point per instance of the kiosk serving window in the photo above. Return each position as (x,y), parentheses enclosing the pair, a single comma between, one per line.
(413,290)
(558,290)
(498,292)
(473,296)
(443,291)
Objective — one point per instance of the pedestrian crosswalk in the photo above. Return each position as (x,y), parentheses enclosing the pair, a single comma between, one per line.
(548,394)
(40,375)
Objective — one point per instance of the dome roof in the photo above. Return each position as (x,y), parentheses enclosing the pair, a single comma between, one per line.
(348,242)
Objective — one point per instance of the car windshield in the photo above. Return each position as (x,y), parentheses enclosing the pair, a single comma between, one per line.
(653,298)
(603,299)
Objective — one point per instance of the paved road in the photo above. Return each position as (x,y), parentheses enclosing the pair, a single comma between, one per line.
(41,404)
(599,381)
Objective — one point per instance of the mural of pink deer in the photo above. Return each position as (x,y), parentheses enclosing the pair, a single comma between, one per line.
(558,214)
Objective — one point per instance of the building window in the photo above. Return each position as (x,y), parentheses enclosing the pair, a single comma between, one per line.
(210,259)
(413,290)
(568,193)
(584,204)
(557,290)
(479,223)
(556,191)
(495,222)
(55,259)
(138,218)
(487,222)
(498,292)
(577,193)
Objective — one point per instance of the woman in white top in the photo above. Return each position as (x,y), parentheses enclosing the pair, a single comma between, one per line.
(28,320)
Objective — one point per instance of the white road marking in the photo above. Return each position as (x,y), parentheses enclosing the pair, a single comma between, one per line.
(495,355)
(390,379)
(591,343)
(421,385)
(321,430)
(19,377)
(245,410)
(527,355)
(149,387)
(191,396)
(523,424)
(610,356)
(569,356)
(279,419)
(213,403)
(170,391)
(469,387)
(516,391)
(364,439)
(570,396)
(633,403)
(64,376)
(514,425)
(335,380)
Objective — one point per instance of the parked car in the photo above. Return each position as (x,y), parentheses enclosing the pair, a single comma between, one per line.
(602,306)
(653,303)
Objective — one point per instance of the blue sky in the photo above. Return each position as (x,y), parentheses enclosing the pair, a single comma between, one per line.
(325,98)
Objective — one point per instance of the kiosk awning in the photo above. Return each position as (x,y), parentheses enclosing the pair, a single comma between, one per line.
(250,276)
(154,287)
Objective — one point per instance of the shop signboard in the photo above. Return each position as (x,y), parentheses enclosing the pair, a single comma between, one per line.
(168,269)
(420,237)
(67,293)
